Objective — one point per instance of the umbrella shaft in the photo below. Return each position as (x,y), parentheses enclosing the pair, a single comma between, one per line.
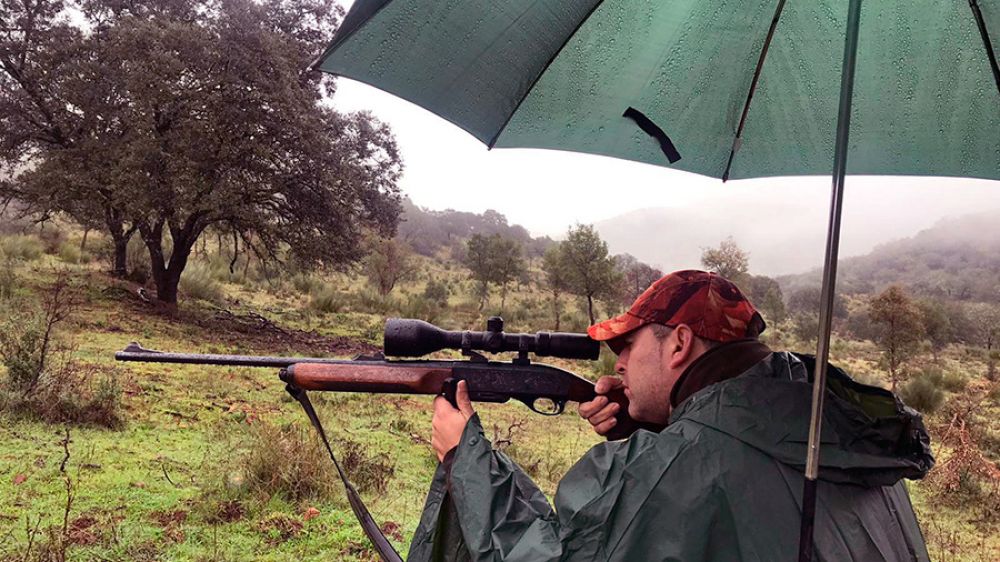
(829,279)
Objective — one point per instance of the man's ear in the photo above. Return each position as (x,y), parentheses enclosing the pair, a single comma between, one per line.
(681,345)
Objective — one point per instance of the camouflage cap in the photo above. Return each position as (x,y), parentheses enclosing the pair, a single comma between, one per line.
(711,305)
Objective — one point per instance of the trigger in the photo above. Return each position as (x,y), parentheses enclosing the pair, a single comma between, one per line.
(449,389)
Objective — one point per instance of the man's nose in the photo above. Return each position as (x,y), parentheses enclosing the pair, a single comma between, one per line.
(620,363)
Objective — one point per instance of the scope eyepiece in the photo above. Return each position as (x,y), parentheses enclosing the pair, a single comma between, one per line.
(406,337)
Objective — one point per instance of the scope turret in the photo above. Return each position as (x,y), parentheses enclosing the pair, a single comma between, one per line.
(406,337)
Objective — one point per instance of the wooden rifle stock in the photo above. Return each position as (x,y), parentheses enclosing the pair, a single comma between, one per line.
(376,377)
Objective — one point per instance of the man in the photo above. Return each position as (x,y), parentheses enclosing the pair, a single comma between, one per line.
(721,482)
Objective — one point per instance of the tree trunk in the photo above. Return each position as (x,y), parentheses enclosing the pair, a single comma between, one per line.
(590,308)
(167,282)
(167,275)
(484,293)
(120,237)
(83,243)
(557,308)
(503,297)
(120,266)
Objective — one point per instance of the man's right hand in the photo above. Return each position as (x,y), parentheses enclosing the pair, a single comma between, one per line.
(600,412)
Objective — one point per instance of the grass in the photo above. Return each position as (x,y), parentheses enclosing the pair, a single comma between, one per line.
(174,483)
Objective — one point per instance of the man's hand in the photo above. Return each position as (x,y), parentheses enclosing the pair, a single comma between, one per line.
(448,422)
(599,411)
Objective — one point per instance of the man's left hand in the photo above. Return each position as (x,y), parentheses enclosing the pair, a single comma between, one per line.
(448,422)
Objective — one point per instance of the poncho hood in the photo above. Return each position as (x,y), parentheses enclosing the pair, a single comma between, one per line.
(869,437)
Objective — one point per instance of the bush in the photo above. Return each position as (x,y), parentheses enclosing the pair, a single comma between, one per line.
(70,253)
(137,260)
(245,271)
(437,292)
(422,307)
(288,462)
(71,394)
(954,382)
(368,472)
(8,279)
(52,238)
(21,246)
(45,385)
(324,298)
(368,300)
(197,283)
(923,392)
(306,283)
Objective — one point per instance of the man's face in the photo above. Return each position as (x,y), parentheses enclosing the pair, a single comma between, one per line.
(650,367)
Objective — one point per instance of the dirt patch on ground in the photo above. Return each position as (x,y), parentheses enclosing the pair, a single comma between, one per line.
(168,518)
(83,531)
(279,528)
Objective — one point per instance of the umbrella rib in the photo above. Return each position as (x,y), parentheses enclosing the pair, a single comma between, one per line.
(981,23)
(753,87)
(541,73)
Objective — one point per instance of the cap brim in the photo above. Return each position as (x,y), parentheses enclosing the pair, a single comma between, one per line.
(615,328)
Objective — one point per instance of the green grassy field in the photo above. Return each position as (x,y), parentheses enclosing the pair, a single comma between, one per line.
(219,464)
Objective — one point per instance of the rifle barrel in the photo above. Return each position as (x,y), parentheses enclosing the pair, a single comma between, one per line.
(135,352)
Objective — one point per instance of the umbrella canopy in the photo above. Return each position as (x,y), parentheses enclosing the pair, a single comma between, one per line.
(561,74)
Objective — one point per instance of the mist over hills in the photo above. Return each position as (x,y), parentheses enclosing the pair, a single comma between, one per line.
(784,237)
(956,259)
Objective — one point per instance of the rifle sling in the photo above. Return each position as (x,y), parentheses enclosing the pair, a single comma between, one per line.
(382,544)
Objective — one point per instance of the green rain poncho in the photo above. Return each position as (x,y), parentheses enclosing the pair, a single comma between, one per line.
(722,482)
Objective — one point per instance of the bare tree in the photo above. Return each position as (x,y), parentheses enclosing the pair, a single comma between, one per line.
(901,329)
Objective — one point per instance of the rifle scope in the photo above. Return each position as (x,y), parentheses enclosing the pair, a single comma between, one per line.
(406,337)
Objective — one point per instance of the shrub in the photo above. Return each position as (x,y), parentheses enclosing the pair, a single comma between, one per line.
(21,246)
(954,382)
(437,292)
(324,298)
(52,238)
(137,260)
(23,350)
(197,283)
(368,300)
(73,394)
(70,253)
(287,462)
(306,283)
(368,472)
(245,271)
(422,307)
(923,392)
(8,279)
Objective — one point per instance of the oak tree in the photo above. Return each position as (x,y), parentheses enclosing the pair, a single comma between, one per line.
(169,117)
(590,271)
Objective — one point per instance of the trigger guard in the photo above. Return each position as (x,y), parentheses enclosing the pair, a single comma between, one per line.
(560,406)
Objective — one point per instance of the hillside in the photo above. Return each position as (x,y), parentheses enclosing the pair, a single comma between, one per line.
(428,231)
(956,259)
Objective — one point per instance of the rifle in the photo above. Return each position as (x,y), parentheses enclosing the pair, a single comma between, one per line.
(543,388)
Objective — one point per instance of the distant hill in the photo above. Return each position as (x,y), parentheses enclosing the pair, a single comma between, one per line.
(957,258)
(429,231)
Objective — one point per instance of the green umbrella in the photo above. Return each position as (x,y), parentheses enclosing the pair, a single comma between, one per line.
(724,88)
